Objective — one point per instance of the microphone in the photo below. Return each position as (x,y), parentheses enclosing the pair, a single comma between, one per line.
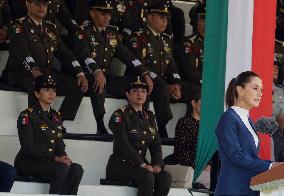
(266,125)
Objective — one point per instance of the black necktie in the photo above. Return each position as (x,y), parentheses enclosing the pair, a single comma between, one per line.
(48,114)
(103,34)
(140,114)
(40,27)
(157,37)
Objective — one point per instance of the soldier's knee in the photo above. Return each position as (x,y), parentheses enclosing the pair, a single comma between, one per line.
(147,179)
(61,168)
(76,169)
(167,178)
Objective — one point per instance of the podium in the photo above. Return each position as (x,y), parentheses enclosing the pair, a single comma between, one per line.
(270,182)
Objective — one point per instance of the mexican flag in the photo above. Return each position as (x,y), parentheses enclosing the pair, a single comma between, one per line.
(239,36)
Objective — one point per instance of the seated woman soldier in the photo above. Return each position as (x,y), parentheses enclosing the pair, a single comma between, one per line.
(135,131)
(42,152)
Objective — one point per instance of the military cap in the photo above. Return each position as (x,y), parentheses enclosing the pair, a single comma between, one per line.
(101,5)
(161,8)
(138,83)
(39,1)
(197,12)
(44,81)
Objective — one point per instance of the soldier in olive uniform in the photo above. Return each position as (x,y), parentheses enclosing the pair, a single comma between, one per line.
(135,131)
(34,45)
(95,46)
(154,49)
(190,60)
(42,152)
(56,9)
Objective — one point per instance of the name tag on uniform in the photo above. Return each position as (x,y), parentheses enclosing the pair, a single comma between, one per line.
(43,127)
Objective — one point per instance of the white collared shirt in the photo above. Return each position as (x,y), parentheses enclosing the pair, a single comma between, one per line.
(155,34)
(37,23)
(244,115)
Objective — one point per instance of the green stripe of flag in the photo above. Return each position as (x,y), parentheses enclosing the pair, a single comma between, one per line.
(213,80)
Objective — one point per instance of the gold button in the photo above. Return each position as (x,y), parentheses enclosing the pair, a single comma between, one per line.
(105,49)
(52,141)
(143,142)
(153,137)
(161,52)
(105,60)
(144,132)
(155,62)
(140,151)
(52,131)
(50,150)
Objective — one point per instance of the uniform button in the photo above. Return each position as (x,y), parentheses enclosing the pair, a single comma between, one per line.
(153,137)
(140,151)
(144,132)
(123,160)
(155,62)
(162,74)
(161,52)
(143,142)
(48,61)
(52,131)
(105,49)
(104,70)
(50,150)
(105,60)
(52,141)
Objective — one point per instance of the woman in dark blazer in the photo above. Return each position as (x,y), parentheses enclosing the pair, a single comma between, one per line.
(238,143)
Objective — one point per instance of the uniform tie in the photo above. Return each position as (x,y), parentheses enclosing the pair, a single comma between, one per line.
(48,114)
(40,27)
(140,114)
(103,34)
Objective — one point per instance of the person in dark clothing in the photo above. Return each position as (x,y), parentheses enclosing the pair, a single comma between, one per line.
(42,152)
(57,9)
(95,46)
(7,177)
(135,132)
(39,43)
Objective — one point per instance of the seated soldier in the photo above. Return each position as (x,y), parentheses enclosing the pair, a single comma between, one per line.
(7,176)
(189,58)
(135,131)
(95,46)
(42,152)
(34,45)
(154,48)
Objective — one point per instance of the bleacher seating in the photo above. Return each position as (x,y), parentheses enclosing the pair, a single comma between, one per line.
(82,145)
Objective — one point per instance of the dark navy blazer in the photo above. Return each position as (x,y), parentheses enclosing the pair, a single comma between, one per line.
(239,156)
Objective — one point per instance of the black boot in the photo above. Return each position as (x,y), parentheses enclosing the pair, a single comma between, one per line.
(163,130)
(101,129)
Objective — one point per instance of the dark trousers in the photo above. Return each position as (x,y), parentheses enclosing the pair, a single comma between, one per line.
(65,86)
(7,176)
(117,85)
(63,179)
(149,184)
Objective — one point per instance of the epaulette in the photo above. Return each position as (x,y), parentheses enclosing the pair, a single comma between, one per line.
(52,24)
(149,111)
(167,35)
(26,112)
(113,27)
(280,42)
(123,108)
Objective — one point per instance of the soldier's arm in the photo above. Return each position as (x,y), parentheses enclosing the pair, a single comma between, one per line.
(118,126)
(126,56)
(67,59)
(156,147)
(30,146)
(82,52)
(173,77)
(18,43)
(59,149)
(67,19)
